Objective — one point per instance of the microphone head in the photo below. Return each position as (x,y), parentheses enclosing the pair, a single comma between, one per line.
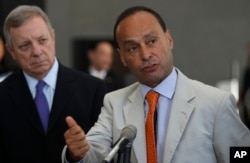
(129,132)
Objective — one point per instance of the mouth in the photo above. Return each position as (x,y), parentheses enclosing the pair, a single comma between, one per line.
(150,68)
(38,63)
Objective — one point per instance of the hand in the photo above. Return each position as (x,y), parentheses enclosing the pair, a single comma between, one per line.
(76,140)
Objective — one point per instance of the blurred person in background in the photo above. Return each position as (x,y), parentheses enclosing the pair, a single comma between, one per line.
(35,100)
(244,94)
(100,57)
(7,65)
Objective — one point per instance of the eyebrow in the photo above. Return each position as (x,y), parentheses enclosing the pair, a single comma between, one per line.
(41,36)
(149,34)
(128,42)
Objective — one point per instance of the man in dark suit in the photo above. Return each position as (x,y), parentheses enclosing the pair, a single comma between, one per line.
(35,101)
(100,56)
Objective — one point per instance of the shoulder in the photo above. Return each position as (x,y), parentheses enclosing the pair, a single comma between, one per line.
(123,93)
(204,95)
(198,88)
(207,90)
(13,78)
(213,98)
(12,85)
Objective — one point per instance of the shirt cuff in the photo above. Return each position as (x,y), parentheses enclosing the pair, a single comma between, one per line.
(66,158)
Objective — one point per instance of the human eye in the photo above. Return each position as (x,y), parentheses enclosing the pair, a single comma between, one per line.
(132,49)
(152,41)
(24,46)
(42,40)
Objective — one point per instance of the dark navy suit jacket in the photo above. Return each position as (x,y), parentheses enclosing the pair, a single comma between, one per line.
(21,134)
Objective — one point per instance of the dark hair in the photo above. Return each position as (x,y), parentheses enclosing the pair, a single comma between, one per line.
(93,45)
(132,10)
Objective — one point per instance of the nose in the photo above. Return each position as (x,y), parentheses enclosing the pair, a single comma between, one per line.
(36,49)
(145,53)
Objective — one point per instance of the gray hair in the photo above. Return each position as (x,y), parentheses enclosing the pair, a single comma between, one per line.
(21,14)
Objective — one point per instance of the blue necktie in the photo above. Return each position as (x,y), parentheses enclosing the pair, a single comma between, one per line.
(42,104)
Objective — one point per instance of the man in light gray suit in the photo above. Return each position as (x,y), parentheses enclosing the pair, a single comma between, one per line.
(195,122)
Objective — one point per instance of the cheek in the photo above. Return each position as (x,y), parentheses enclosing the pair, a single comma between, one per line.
(165,52)
(22,60)
(50,52)
(49,47)
(133,63)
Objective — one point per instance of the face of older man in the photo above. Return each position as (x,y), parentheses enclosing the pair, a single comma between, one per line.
(33,47)
(145,48)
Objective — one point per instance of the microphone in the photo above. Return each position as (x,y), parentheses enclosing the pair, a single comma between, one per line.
(128,134)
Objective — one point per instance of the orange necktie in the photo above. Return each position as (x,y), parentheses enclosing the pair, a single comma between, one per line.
(152,98)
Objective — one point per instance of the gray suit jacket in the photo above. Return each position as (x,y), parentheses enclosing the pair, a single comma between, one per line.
(203,124)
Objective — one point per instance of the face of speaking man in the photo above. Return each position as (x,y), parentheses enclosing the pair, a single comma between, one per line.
(145,48)
(33,47)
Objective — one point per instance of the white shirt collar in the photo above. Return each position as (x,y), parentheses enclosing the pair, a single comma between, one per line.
(99,74)
(50,79)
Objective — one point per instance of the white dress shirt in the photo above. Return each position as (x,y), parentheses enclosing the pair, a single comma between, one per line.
(99,74)
(166,90)
(49,79)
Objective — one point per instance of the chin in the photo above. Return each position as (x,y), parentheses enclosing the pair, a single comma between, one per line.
(41,70)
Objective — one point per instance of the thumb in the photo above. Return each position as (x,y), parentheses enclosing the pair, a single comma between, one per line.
(70,122)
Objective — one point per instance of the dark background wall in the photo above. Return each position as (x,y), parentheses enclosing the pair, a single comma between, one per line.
(7,5)
(208,35)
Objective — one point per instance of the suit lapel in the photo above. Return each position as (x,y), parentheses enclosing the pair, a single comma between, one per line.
(63,93)
(134,114)
(21,95)
(180,113)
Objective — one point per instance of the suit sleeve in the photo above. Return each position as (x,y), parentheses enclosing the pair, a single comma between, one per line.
(99,137)
(228,130)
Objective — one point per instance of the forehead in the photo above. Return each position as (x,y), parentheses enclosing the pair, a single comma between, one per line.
(32,26)
(137,24)
(104,47)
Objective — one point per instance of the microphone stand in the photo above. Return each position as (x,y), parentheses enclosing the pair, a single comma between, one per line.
(124,154)
(122,146)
